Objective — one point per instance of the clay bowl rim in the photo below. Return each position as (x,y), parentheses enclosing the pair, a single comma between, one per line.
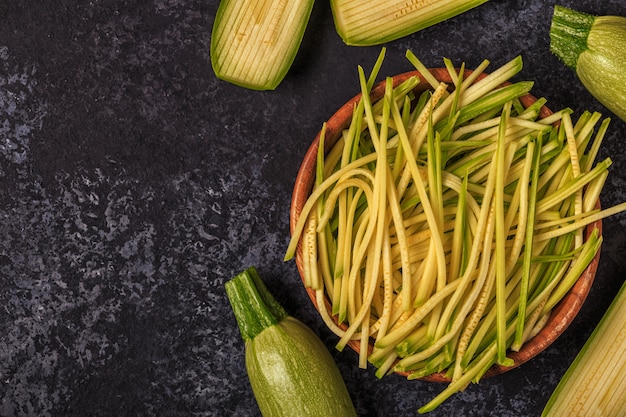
(562,314)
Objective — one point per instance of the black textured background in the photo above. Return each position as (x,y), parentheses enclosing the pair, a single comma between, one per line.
(133,184)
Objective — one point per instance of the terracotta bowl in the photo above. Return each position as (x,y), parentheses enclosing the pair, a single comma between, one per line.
(563,313)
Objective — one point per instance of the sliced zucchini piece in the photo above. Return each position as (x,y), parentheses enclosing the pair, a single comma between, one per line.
(372,22)
(254,42)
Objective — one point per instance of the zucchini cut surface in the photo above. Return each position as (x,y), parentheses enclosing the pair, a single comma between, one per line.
(254,42)
(363,22)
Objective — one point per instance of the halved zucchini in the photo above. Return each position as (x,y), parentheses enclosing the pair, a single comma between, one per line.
(254,42)
(372,22)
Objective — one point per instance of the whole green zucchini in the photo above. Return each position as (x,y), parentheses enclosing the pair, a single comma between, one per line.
(290,370)
(594,47)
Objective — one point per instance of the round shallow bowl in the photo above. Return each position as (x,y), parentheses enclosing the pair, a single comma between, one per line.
(563,313)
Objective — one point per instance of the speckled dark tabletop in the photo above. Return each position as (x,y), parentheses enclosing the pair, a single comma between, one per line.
(133,184)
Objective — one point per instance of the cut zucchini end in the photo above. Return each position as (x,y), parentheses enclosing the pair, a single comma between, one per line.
(254,42)
(258,85)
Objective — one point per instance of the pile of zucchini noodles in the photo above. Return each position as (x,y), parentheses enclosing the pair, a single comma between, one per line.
(444,226)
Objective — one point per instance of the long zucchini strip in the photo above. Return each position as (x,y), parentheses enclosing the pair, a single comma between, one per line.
(500,251)
(530,196)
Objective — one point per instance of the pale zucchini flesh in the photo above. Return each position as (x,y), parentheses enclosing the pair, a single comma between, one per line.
(595,383)
(373,22)
(254,42)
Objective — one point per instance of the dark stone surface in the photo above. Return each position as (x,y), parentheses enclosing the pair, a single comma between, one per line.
(133,184)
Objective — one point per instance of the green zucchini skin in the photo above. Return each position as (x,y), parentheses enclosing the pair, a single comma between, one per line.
(293,374)
(601,67)
(595,47)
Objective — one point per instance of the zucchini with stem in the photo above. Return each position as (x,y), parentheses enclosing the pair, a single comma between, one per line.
(290,370)
(594,47)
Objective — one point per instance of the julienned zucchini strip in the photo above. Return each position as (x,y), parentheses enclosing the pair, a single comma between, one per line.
(362,23)
(254,42)
(438,247)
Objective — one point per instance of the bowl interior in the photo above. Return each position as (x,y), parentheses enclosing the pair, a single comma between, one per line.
(563,313)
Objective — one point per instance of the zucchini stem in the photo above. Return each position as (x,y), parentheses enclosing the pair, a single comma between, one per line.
(254,306)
